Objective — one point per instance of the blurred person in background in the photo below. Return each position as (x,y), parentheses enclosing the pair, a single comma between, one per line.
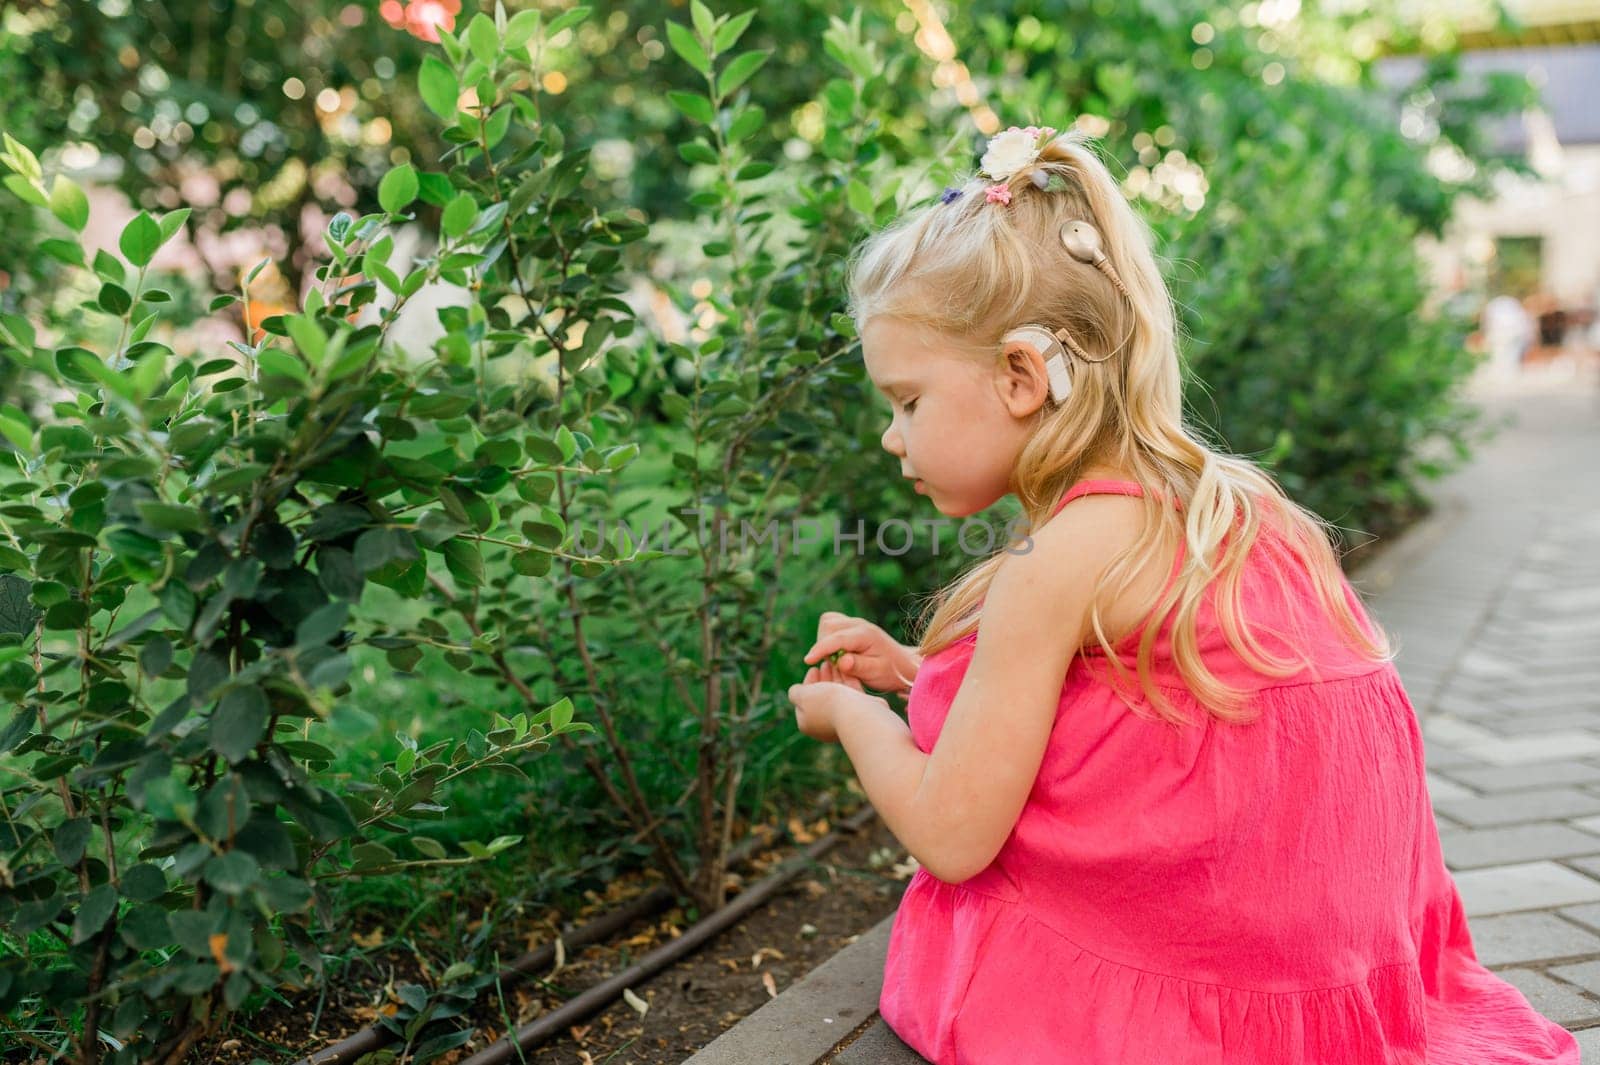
(1508,330)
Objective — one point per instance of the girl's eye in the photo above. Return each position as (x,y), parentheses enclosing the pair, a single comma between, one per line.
(910,405)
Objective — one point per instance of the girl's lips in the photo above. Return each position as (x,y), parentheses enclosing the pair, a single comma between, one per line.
(919,484)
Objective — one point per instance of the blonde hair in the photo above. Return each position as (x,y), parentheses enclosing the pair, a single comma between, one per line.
(971,270)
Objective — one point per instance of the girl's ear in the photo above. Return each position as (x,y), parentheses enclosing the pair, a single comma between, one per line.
(1022,379)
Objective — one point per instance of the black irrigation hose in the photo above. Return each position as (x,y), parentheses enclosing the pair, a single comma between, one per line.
(375,1037)
(600,996)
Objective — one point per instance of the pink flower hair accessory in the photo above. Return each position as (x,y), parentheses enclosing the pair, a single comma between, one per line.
(1013,151)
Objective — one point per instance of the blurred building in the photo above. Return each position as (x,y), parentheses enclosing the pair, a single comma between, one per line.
(1538,238)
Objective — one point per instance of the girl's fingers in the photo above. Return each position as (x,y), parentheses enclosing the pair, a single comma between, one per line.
(827,645)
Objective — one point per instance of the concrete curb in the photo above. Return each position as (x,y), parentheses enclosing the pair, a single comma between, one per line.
(806,1021)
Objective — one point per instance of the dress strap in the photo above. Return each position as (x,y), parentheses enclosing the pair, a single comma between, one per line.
(1104,486)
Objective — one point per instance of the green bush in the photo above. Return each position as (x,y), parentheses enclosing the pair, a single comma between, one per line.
(187,543)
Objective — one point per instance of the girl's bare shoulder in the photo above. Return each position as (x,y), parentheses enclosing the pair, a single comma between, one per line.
(1092,532)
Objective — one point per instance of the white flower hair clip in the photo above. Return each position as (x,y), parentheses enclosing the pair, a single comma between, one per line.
(1012,151)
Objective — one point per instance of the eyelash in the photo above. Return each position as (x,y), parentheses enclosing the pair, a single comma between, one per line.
(909,406)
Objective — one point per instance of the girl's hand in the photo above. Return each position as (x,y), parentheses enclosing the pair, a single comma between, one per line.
(864,652)
(822,697)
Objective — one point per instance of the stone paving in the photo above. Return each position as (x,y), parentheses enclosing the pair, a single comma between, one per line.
(1494,603)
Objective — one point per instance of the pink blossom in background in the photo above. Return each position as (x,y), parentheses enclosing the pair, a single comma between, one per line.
(425,17)
(421,18)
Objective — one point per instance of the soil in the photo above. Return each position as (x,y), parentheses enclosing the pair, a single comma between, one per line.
(848,891)
(852,888)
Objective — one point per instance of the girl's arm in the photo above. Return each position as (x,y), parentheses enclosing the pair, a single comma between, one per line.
(954,807)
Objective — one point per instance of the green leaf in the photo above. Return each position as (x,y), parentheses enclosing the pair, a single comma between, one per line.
(697,151)
(274,361)
(233,872)
(434,527)
(23,161)
(465,562)
(438,86)
(482,38)
(859,197)
(307,337)
(144,882)
(430,847)
(693,106)
(561,714)
(370,855)
(156,655)
(173,221)
(459,215)
(15,428)
(566,442)
(169,517)
(114,299)
(239,722)
(286,894)
(398,188)
(140,239)
(68,203)
(570,18)
(729,33)
(93,913)
(622,456)
(683,42)
(71,839)
(26,191)
(749,120)
(738,72)
(322,624)
(705,23)
(380,546)
(521,28)
(501,843)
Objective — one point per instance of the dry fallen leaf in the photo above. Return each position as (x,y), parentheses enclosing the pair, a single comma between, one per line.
(765,952)
(639,1004)
(797,829)
(770,984)
(904,869)
(219,943)
(370,940)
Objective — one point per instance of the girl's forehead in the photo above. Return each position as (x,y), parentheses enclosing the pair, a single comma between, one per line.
(901,353)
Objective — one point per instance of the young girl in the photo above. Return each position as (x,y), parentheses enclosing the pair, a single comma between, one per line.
(1161,776)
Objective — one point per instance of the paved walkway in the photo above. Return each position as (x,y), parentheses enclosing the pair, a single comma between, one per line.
(1495,605)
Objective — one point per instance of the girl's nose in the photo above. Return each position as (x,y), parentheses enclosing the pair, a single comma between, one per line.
(891,441)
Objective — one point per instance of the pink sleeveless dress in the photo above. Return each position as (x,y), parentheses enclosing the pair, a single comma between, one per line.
(1262,894)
